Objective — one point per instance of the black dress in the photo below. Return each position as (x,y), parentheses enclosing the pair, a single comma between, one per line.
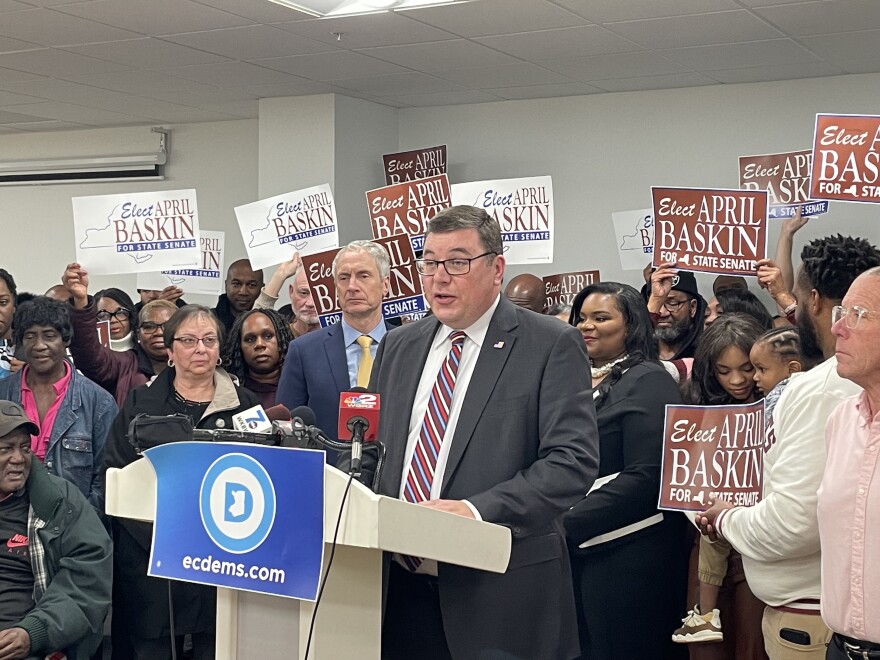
(630,587)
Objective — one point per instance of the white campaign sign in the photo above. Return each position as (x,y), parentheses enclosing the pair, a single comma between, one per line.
(207,277)
(523,208)
(634,237)
(136,232)
(304,220)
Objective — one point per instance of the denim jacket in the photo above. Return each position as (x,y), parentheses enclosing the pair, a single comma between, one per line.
(76,445)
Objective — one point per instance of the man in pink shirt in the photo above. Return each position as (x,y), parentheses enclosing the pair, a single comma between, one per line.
(849,497)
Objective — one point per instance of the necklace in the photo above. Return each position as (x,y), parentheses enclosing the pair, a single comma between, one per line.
(605,369)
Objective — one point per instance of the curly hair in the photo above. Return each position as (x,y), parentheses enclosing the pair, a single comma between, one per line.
(831,264)
(728,330)
(639,341)
(42,311)
(233,358)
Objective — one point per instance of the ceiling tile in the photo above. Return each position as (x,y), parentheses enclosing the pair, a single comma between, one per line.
(144,83)
(367,31)
(606,11)
(60,90)
(810,18)
(156,17)
(545,91)
(331,66)
(850,46)
(51,28)
(8,75)
(486,17)
(292,89)
(8,130)
(871,65)
(47,125)
(57,63)
(670,81)
(75,113)
(503,75)
(251,42)
(141,106)
(454,54)
(398,83)
(697,30)
(11,98)
(741,56)
(779,72)
(13,5)
(230,74)
(443,98)
(50,3)
(244,109)
(564,42)
(622,65)
(8,45)
(190,115)
(767,3)
(260,11)
(205,98)
(9,116)
(146,53)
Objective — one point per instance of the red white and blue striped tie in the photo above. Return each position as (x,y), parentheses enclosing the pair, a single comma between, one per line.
(420,475)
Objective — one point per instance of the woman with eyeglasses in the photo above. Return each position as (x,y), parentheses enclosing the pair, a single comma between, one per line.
(196,386)
(115,369)
(117,307)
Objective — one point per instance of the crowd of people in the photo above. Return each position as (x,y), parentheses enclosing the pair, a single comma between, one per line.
(549,421)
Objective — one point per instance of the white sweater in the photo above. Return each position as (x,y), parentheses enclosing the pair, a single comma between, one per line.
(778,538)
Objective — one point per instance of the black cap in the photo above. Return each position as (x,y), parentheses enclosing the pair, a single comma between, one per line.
(685,282)
(12,417)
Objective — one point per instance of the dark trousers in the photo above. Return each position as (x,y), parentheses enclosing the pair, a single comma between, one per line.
(413,626)
(836,650)
(160,648)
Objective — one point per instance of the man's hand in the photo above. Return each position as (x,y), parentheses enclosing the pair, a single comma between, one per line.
(15,644)
(15,365)
(76,280)
(706,519)
(792,224)
(661,285)
(457,507)
(288,268)
(170,293)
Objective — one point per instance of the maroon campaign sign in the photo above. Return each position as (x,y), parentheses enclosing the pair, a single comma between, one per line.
(411,165)
(562,288)
(786,178)
(846,158)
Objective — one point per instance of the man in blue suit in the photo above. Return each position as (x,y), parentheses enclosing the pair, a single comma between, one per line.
(324,363)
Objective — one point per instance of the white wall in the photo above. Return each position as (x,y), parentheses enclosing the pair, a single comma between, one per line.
(605,151)
(219,159)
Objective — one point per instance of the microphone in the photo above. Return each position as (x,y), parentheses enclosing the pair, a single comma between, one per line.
(359,420)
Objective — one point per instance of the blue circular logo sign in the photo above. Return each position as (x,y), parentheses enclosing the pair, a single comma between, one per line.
(237,503)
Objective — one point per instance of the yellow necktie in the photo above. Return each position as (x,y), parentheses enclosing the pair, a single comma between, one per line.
(365,365)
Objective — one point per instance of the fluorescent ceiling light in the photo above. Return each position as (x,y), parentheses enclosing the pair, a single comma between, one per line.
(324,8)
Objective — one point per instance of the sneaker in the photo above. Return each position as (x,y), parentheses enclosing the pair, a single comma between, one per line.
(699,627)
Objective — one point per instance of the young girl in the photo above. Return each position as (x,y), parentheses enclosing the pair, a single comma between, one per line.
(776,356)
(723,374)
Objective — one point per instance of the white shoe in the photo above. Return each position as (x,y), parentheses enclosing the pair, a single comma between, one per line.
(699,627)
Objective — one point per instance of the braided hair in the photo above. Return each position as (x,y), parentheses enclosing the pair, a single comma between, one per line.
(831,264)
(640,343)
(233,358)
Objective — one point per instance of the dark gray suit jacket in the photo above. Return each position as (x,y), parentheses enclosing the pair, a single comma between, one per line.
(525,449)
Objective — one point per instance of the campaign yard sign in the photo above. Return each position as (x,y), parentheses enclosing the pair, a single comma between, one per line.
(710,230)
(634,236)
(206,278)
(418,164)
(273,228)
(240,516)
(523,209)
(562,288)
(786,178)
(136,232)
(711,452)
(405,208)
(404,297)
(846,158)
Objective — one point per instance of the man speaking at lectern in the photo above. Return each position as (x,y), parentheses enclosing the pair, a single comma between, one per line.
(498,424)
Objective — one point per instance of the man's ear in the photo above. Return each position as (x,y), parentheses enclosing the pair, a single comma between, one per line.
(694,306)
(815,303)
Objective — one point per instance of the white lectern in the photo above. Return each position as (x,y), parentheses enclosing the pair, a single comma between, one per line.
(251,625)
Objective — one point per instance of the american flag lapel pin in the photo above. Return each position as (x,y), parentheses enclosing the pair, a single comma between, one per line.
(498,344)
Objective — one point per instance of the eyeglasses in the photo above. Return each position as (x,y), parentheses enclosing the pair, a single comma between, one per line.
(191,342)
(150,328)
(851,316)
(457,266)
(119,314)
(674,305)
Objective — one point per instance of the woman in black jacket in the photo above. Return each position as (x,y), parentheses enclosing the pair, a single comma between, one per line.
(629,560)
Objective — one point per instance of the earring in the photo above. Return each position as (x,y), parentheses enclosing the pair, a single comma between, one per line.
(170,362)
(219,361)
